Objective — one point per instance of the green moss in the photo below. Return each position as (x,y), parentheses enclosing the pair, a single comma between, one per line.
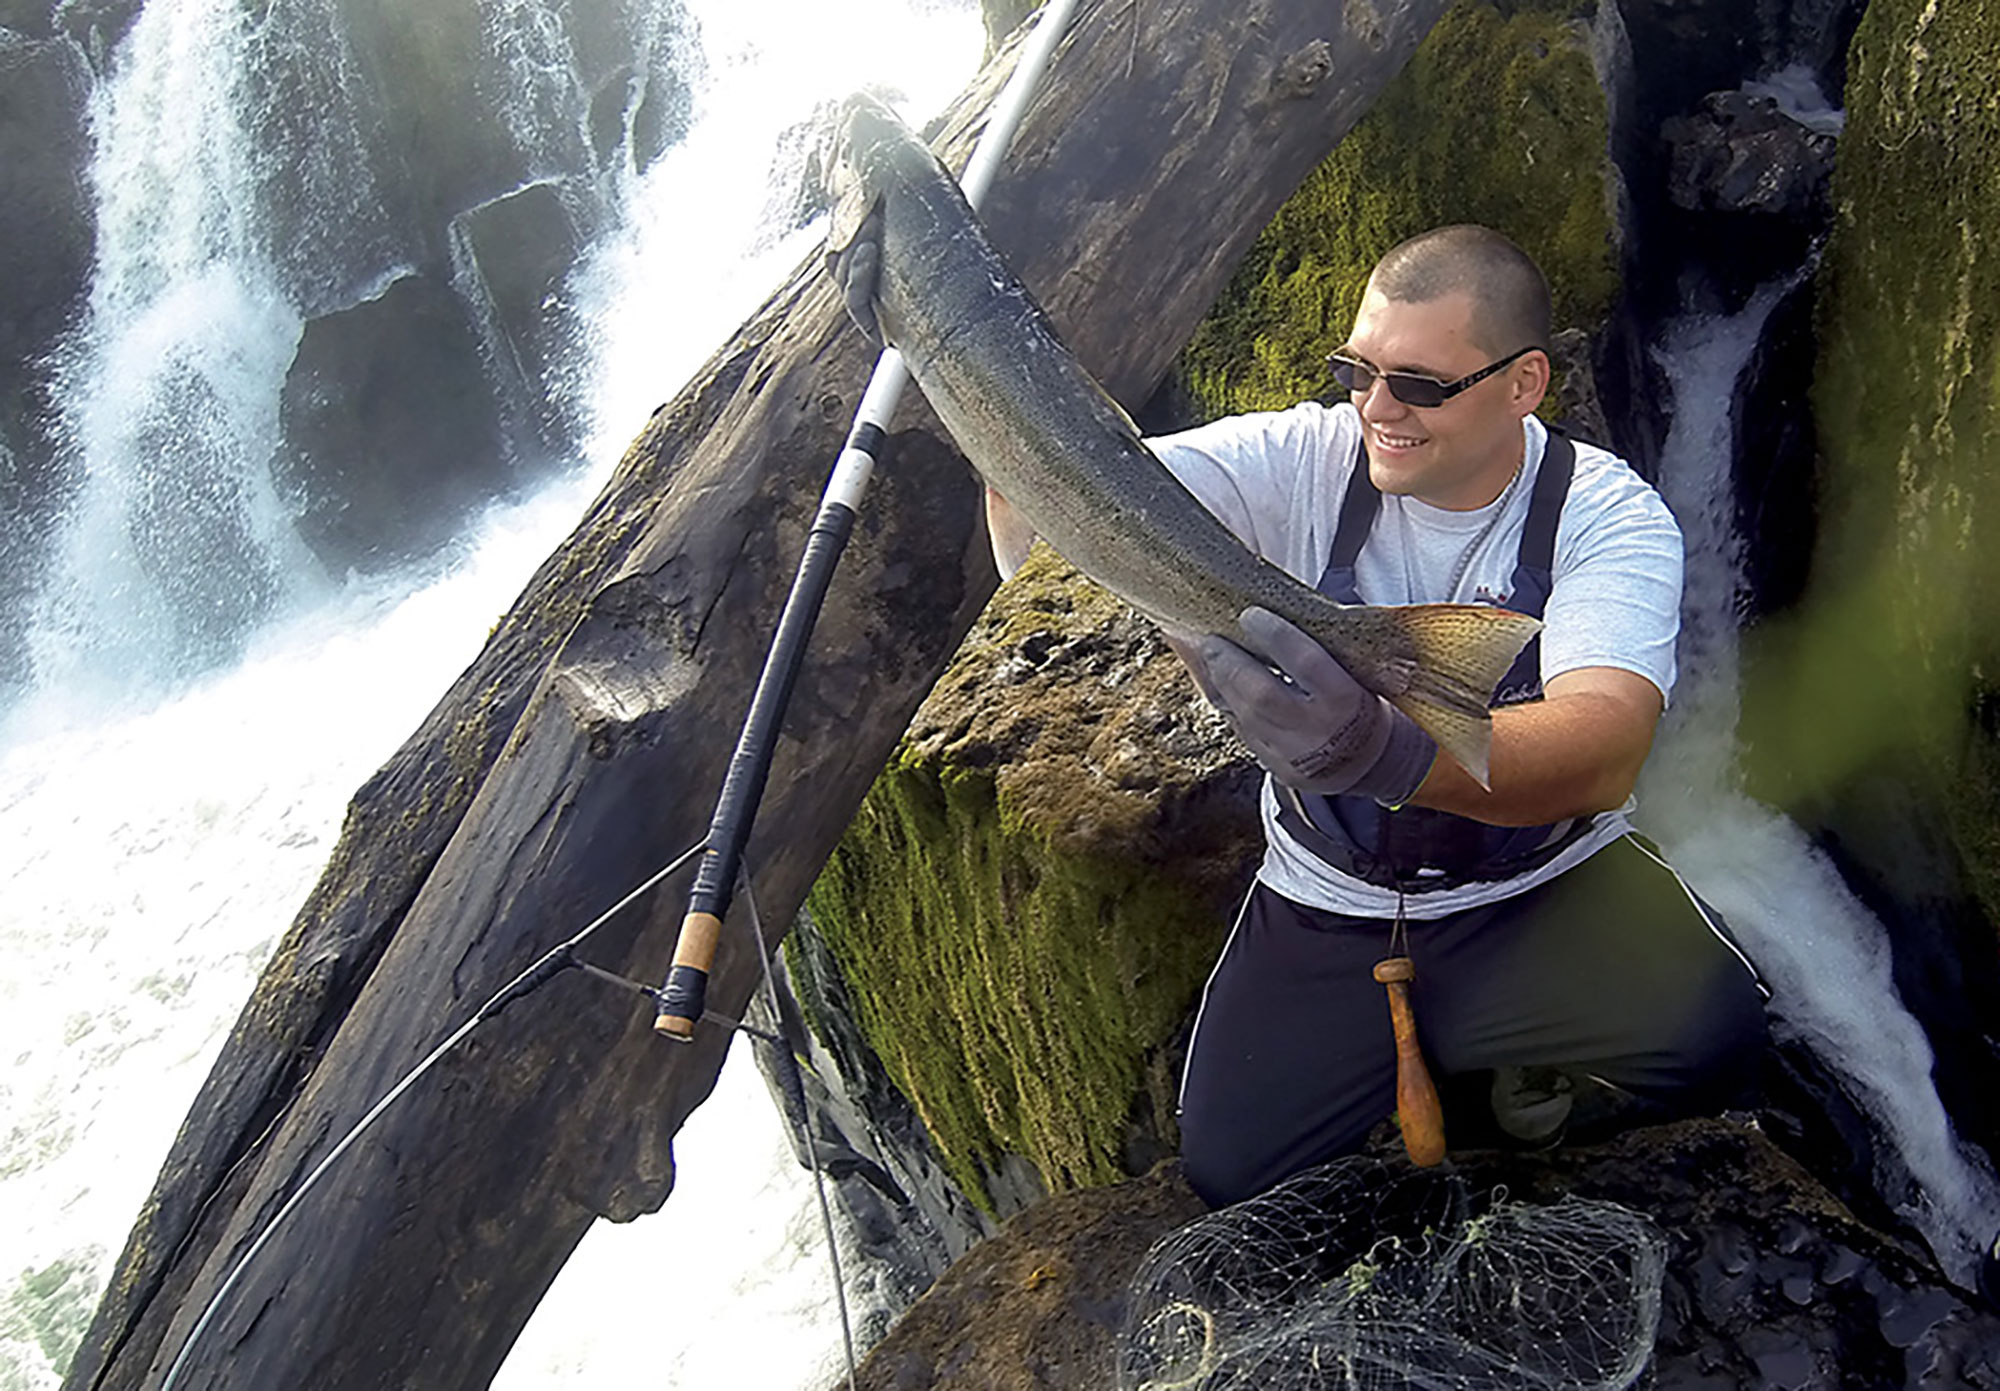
(1893,665)
(1013,993)
(1498,119)
(1032,893)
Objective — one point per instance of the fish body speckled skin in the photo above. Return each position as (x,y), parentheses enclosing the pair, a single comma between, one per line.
(1046,437)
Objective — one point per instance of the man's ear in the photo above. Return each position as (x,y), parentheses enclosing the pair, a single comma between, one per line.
(1528,380)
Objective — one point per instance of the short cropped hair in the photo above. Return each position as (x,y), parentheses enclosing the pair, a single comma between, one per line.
(1510,297)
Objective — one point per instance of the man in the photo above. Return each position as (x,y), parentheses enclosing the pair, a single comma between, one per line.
(1552,949)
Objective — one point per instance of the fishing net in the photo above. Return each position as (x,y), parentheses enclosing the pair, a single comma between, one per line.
(1365,1274)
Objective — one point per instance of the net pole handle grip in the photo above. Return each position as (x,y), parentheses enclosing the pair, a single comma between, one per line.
(1417,1107)
(684,997)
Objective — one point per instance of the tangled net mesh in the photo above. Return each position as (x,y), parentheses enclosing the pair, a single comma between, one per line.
(1365,1273)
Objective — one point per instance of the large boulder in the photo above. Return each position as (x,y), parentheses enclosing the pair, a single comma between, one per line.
(1501,118)
(1741,153)
(391,427)
(466,105)
(46,243)
(517,252)
(1768,1283)
(1025,907)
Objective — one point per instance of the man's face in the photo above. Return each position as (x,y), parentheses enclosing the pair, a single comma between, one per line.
(1459,455)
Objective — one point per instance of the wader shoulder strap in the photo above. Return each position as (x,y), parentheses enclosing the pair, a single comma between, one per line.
(1535,566)
(1358,506)
(1416,849)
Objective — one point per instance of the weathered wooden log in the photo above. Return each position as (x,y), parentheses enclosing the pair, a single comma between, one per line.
(584,748)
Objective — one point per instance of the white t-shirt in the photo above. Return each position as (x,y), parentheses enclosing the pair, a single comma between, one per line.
(1277,479)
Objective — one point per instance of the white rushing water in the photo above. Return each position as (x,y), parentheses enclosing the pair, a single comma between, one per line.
(1826,957)
(154,847)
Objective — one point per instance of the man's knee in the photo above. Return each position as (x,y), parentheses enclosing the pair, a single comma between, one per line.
(1220,1172)
(1725,1049)
(1232,1155)
(1713,1059)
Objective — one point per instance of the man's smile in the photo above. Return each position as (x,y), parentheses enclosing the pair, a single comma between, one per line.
(1392,441)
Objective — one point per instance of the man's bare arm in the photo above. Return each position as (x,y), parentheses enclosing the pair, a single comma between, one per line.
(1576,751)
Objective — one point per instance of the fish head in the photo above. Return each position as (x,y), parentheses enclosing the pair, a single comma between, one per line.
(863,134)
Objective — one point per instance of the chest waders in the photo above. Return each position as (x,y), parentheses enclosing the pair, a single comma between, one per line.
(1416,850)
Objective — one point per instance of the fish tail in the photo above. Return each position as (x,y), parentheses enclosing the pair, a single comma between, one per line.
(1461,653)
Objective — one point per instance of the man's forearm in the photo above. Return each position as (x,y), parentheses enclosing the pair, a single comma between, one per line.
(1576,752)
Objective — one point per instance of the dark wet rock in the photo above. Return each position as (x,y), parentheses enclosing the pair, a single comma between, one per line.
(1894,846)
(47,239)
(635,61)
(391,427)
(1777,455)
(461,125)
(33,19)
(1579,405)
(46,224)
(97,26)
(517,254)
(1748,1231)
(1742,154)
(1040,1304)
(909,1217)
(1003,17)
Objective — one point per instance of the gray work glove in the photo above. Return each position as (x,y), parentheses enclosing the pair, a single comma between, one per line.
(1319,731)
(856,268)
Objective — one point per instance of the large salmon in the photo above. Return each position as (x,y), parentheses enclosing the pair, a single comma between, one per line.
(1065,458)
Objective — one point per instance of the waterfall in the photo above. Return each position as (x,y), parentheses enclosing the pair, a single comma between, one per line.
(169,400)
(1825,956)
(258,168)
(207,696)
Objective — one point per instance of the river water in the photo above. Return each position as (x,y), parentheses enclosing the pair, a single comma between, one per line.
(160,825)
(1825,956)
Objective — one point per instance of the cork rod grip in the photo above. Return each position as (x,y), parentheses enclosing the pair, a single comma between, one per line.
(1417,1108)
(683,999)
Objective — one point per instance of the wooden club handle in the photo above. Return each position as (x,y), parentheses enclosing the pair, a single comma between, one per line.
(1417,1108)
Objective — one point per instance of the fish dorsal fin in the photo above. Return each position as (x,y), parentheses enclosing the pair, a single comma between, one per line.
(1010,534)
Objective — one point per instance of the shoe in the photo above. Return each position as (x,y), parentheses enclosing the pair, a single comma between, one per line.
(1531,1105)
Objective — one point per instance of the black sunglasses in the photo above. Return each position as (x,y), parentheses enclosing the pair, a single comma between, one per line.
(1408,387)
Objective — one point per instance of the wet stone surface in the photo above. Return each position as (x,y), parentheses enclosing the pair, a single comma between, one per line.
(1771,1285)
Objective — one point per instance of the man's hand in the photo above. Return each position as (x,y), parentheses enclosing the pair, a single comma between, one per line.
(1314,727)
(855,268)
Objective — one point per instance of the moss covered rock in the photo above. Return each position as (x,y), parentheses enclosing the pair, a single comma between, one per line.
(1500,119)
(1894,665)
(1027,904)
